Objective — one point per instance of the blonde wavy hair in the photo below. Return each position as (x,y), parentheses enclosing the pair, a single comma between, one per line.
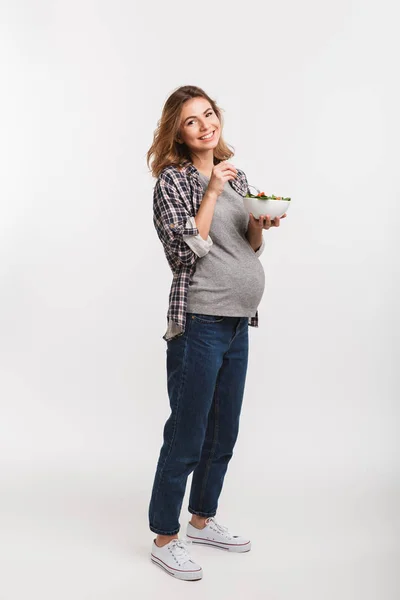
(165,150)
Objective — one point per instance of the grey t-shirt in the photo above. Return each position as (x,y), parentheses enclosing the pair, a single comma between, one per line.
(229,280)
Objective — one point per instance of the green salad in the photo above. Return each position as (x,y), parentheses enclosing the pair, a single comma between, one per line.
(262,196)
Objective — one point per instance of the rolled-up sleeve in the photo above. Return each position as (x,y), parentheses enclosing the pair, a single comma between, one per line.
(175,227)
(199,245)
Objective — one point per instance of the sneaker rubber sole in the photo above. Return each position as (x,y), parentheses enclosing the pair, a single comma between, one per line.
(178,574)
(222,545)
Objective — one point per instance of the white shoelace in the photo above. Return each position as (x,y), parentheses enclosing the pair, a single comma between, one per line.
(180,548)
(220,528)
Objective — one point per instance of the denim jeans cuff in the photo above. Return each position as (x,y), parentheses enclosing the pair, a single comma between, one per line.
(163,532)
(202,514)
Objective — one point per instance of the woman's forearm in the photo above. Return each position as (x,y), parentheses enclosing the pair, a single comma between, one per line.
(254,237)
(205,213)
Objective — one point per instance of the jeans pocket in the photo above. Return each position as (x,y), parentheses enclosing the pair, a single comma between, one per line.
(207,318)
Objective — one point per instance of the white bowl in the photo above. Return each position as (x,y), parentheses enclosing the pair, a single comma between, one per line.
(273,208)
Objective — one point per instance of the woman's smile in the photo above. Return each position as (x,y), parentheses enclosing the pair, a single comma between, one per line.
(207,137)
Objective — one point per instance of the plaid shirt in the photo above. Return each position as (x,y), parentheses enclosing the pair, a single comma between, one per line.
(176,201)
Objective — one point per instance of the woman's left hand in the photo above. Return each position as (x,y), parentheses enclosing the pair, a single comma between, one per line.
(264,221)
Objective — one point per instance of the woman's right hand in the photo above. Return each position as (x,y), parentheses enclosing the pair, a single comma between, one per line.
(221,173)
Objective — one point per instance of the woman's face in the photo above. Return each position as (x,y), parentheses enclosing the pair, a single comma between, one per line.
(197,121)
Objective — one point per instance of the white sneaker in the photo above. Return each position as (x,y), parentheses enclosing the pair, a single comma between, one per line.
(174,558)
(216,535)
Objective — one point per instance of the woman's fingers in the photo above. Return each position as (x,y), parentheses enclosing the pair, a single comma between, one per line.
(228,165)
(229,172)
(265,221)
(225,166)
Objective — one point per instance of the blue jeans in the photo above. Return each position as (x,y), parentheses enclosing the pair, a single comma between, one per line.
(206,373)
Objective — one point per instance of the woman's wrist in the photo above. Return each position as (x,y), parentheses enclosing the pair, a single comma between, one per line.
(205,213)
(211,194)
(254,237)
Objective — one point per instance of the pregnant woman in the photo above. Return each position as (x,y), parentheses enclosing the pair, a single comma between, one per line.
(212,246)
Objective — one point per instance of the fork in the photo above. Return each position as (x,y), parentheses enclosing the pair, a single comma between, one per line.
(254,187)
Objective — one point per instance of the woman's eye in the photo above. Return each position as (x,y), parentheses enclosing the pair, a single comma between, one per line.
(207,115)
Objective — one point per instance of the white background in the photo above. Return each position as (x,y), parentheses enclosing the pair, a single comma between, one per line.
(311,107)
